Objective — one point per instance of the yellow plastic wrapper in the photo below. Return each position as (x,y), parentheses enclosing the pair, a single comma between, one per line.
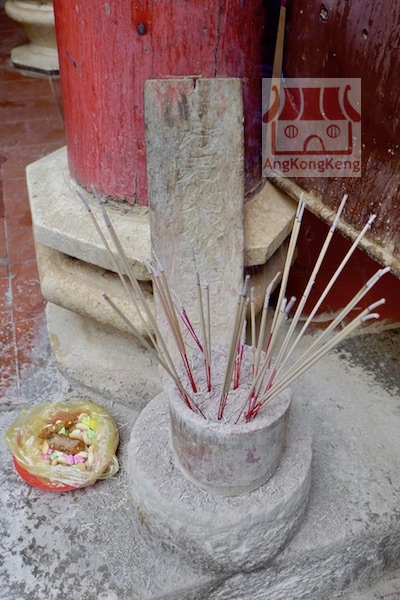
(25,443)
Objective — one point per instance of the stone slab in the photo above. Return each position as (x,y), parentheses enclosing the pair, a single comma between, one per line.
(77,286)
(268,220)
(216,533)
(110,363)
(194,149)
(61,222)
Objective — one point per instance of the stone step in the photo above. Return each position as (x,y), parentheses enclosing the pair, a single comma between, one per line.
(61,222)
(77,286)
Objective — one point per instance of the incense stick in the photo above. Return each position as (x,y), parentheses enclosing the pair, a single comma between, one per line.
(344,312)
(239,318)
(320,352)
(310,283)
(133,282)
(168,307)
(290,253)
(253,325)
(208,317)
(155,352)
(116,265)
(267,377)
(332,281)
(261,334)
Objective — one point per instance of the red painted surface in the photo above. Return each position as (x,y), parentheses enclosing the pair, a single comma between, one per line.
(40,484)
(339,38)
(108,50)
(356,273)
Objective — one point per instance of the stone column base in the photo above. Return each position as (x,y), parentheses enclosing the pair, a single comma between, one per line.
(74,269)
(217,533)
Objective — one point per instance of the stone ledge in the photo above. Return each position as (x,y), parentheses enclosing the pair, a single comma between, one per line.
(60,221)
(110,363)
(268,219)
(77,286)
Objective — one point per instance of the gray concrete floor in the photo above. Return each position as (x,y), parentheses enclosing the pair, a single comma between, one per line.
(83,543)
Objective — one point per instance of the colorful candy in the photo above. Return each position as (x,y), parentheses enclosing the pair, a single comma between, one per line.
(69,442)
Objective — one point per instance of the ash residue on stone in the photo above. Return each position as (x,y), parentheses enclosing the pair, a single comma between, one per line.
(150,449)
(209,402)
(378,354)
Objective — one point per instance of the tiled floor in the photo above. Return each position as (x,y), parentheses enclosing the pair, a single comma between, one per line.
(31,126)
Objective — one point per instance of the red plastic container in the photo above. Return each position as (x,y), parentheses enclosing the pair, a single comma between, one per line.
(39,483)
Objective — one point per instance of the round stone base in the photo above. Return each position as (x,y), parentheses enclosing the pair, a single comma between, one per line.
(220,533)
(36,58)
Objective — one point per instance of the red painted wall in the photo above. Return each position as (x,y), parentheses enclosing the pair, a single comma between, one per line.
(109,49)
(356,273)
(342,38)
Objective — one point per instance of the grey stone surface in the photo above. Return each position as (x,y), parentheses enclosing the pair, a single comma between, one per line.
(268,216)
(351,530)
(194,150)
(77,286)
(67,226)
(113,364)
(81,542)
(386,588)
(268,219)
(217,533)
(53,545)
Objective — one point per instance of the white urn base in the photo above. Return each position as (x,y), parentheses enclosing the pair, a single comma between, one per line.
(35,58)
(37,20)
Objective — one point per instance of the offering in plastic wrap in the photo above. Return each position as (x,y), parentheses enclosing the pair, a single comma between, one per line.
(65,445)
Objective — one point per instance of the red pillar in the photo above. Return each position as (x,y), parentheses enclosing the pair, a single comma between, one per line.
(109,49)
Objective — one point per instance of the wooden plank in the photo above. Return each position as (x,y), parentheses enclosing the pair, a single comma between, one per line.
(194,143)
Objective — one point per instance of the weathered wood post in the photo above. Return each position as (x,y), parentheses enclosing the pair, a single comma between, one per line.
(195,168)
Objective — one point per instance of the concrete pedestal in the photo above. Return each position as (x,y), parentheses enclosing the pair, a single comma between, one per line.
(217,533)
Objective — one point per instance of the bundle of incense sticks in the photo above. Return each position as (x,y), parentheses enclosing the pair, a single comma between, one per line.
(271,349)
